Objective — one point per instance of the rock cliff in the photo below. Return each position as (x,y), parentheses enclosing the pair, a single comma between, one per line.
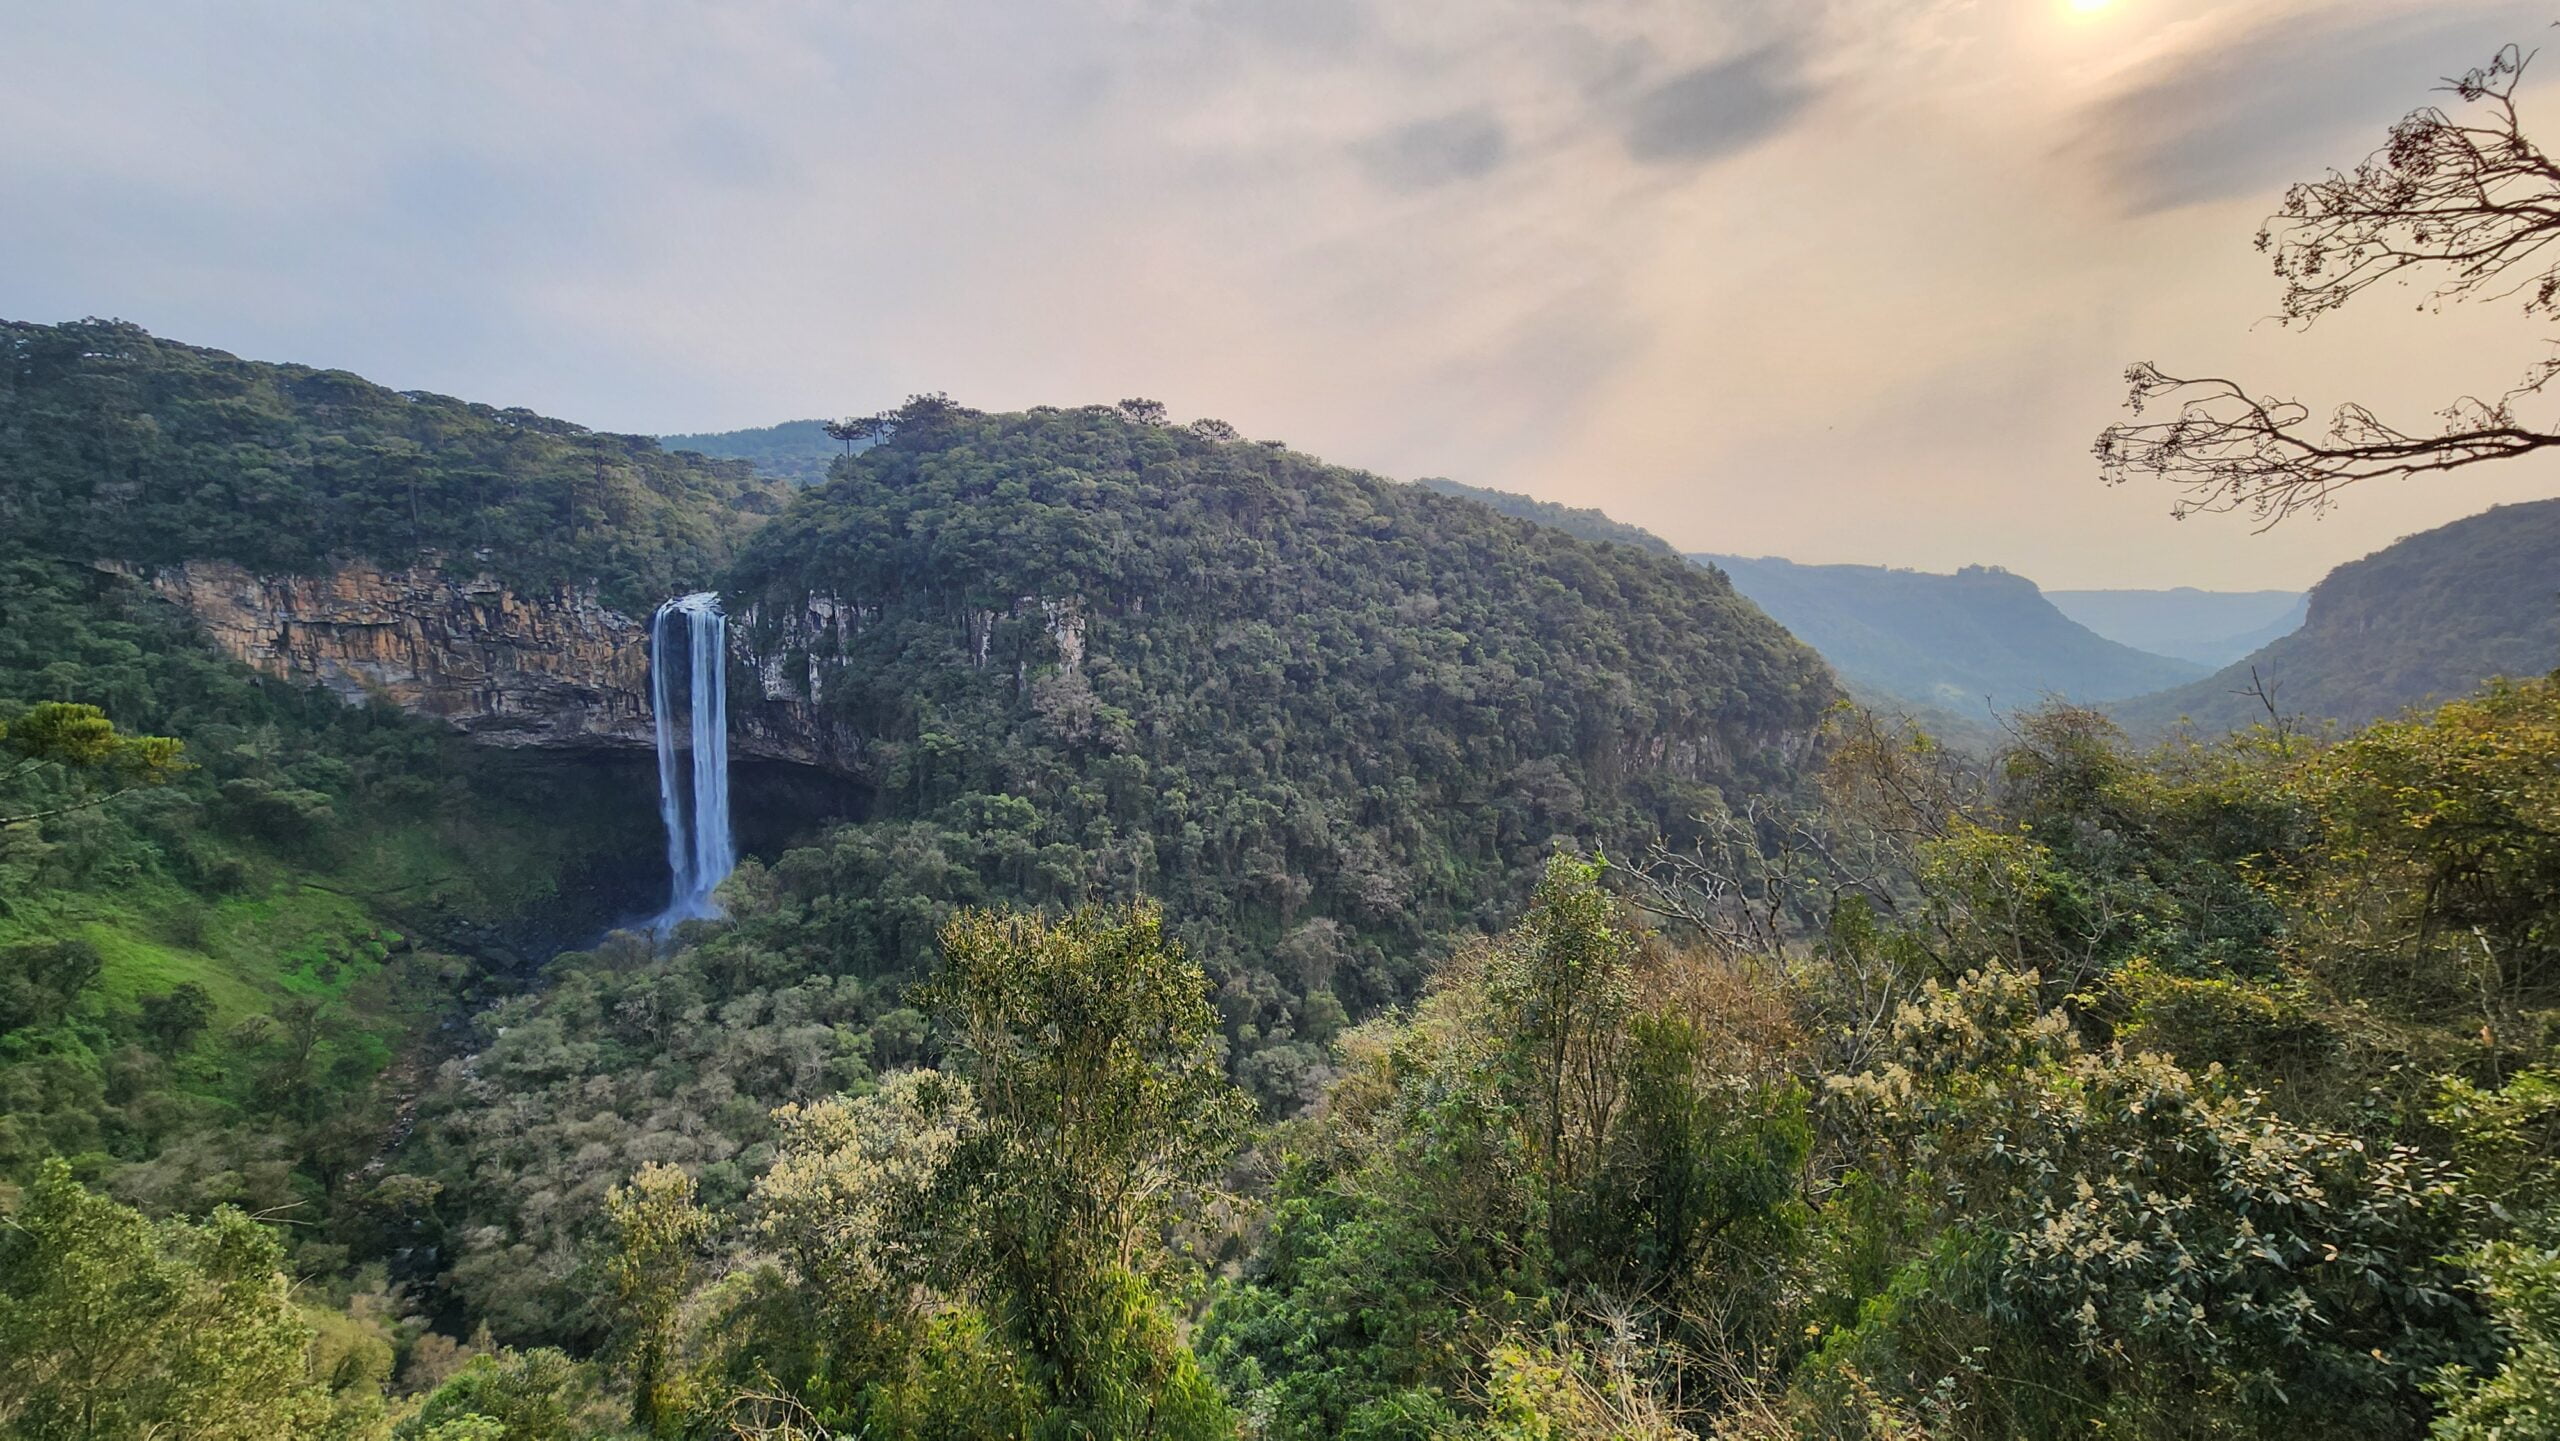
(550,669)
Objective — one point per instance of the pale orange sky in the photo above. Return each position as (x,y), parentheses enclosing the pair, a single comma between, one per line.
(1831,279)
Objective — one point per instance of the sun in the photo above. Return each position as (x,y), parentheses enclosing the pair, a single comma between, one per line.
(2089,7)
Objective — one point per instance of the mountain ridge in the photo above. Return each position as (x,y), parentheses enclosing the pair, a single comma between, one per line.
(1982,636)
(2430,616)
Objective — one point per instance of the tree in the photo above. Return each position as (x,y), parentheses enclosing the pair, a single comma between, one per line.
(509,1395)
(2116,1246)
(1092,1051)
(81,748)
(112,1324)
(39,980)
(173,1019)
(1564,985)
(2468,203)
(862,428)
(657,1231)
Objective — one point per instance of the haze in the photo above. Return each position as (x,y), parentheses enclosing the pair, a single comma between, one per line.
(1837,281)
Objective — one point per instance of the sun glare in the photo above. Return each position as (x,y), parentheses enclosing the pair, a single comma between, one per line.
(2089,7)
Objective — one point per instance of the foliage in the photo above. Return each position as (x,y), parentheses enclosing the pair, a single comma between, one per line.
(1090,1046)
(77,747)
(2521,1402)
(984,1253)
(657,1229)
(1553,1139)
(117,444)
(2116,1245)
(1582,521)
(1324,719)
(114,1325)
(203,980)
(539,1395)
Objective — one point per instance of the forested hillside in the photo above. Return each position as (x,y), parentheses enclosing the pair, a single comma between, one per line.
(2427,618)
(1285,954)
(214,977)
(116,444)
(1979,638)
(1337,723)
(1319,715)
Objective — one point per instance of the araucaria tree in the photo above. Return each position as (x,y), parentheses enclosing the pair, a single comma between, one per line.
(2461,202)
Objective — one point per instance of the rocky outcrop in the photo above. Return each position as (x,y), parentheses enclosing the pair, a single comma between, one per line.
(549,668)
(555,667)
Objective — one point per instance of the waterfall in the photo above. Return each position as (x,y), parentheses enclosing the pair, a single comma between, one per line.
(701,854)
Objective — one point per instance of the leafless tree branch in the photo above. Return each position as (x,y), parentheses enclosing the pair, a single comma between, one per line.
(2470,204)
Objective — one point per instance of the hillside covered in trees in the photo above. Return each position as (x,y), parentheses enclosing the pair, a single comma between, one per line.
(2421,620)
(219,975)
(1317,714)
(1339,721)
(116,444)
(1288,955)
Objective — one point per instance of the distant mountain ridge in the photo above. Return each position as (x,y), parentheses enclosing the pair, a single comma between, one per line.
(798,451)
(2209,627)
(1980,636)
(2431,616)
(1953,646)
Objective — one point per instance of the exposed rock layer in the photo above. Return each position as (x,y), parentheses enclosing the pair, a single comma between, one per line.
(554,668)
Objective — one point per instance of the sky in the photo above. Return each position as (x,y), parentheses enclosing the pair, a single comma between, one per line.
(1840,280)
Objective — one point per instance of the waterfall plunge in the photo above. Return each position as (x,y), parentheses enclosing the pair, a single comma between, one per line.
(700,855)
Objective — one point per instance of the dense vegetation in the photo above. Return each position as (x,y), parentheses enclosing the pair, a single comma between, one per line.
(117,444)
(1214,1016)
(202,979)
(2421,619)
(798,451)
(1325,719)
(1980,637)
(2206,1092)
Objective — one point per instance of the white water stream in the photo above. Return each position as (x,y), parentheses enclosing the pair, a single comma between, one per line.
(700,849)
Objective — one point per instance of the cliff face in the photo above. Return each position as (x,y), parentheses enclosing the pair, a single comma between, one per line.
(550,669)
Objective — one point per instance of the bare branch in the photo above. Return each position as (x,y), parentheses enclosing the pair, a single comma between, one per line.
(2229,450)
(2469,206)
(2472,201)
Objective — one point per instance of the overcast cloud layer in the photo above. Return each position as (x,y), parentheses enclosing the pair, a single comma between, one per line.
(1832,279)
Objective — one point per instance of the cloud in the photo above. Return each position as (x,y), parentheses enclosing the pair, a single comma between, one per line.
(2247,113)
(1468,145)
(1716,110)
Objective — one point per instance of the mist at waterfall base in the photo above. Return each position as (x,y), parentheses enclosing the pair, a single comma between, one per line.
(693,780)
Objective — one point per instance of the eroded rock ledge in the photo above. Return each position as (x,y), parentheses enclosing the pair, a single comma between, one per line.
(551,668)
